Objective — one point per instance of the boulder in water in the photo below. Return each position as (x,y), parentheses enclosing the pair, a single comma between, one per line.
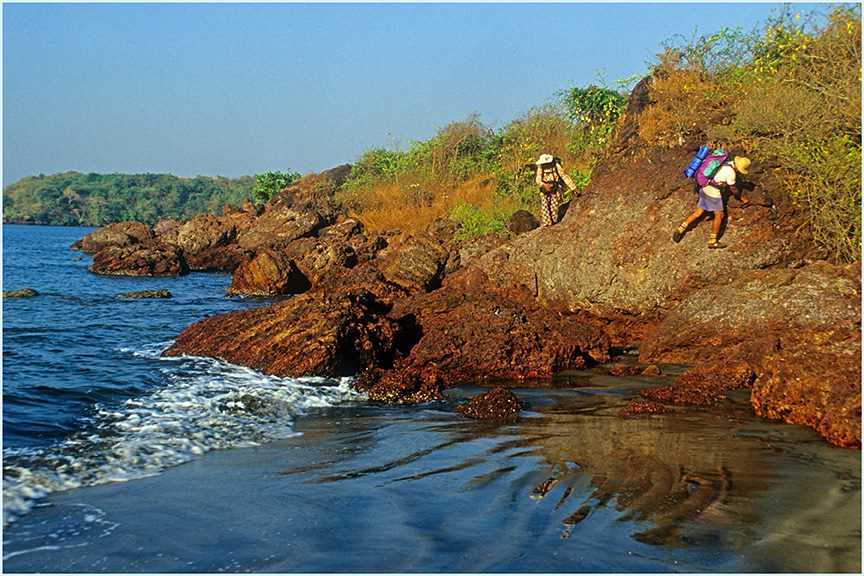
(496,404)
(22,293)
(146,294)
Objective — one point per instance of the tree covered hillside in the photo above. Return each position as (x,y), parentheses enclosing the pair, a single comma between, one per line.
(75,199)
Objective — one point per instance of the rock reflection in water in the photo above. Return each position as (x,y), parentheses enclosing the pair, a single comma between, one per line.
(697,477)
(716,488)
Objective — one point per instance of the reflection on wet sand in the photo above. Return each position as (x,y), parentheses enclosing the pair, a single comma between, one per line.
(715,484)
(687,478)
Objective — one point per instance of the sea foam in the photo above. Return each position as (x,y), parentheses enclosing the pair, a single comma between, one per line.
(204,404)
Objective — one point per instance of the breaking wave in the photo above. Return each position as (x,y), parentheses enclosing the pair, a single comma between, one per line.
(204,404)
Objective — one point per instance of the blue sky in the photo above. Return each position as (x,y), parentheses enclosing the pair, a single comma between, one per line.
(233,89)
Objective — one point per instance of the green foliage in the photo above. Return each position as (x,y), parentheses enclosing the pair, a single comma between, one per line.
(473,221)
(75,199)
(270,183)
(595,111)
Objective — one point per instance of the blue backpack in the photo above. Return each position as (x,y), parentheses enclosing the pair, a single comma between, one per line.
(706,164)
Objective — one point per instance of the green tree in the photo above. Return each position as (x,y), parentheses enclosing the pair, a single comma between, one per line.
(269,183)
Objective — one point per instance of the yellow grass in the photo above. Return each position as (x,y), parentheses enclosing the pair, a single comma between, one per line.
(410,204)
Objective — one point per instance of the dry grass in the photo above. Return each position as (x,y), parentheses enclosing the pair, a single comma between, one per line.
(409,204)
(681,104)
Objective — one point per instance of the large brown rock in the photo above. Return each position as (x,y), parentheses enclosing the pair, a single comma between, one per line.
(746,318)
(314,334)
(472,330)
(119,234)
(269,272)
(419,263)
(613,252)
(289,215)
(139,260)
(209,242)
(814,379)
(800,330)
(306,262)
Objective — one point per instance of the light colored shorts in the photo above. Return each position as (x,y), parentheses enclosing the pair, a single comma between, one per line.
(709,202)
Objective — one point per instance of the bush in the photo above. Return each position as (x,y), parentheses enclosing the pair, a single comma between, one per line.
(270,183)
(473,221)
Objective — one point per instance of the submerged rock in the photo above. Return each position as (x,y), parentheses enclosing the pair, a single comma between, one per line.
(147,294)
(643,409)
(704,385)
(496,404)
(21,293)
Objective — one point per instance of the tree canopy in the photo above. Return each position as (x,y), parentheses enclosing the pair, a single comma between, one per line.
(76,199)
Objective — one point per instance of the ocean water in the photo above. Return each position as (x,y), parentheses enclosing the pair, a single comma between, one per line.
(87,398)
(118,460)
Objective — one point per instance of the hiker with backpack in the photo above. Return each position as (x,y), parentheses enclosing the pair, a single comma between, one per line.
(550,178)
(713,173)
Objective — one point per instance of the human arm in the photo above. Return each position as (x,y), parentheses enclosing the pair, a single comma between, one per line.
(733,188)
(565,177)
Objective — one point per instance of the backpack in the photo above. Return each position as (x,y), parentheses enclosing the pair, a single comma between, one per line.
(705,165)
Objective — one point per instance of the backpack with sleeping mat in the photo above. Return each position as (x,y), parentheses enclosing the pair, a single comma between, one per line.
(705,165)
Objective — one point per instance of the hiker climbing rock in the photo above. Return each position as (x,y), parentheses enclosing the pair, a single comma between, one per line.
(550,178)
(714,173)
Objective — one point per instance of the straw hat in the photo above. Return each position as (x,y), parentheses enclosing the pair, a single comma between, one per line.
(741,164)
(545,159)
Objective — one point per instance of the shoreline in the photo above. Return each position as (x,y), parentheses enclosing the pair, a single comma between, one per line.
(376,488)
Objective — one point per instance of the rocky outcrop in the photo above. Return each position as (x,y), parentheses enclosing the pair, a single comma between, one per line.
(119,235)
(314,334)
(20,293)
(215,243)
(139,260)
(765,314)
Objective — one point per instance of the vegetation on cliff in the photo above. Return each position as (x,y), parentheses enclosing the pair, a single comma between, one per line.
(788,93)
(76,199)
(790,96)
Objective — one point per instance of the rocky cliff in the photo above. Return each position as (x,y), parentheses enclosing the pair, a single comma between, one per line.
(412,315)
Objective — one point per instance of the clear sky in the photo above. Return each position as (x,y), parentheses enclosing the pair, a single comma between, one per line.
(237,88)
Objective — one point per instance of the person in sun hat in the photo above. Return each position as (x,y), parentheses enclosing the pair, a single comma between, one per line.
(711,199)
(550,178)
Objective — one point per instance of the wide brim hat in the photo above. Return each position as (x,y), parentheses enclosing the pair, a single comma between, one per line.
(545,159)
(741,164)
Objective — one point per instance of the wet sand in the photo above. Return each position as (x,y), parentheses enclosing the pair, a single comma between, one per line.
(568,487)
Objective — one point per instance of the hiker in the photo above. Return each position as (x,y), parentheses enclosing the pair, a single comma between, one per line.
(550,177)
(711,199)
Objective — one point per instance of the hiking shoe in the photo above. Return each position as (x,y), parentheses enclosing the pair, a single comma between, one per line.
(716,245)
(677,236)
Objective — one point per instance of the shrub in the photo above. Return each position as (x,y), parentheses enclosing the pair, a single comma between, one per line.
(269,183)
(473,221)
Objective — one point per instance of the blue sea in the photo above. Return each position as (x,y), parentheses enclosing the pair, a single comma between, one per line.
(118,460)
